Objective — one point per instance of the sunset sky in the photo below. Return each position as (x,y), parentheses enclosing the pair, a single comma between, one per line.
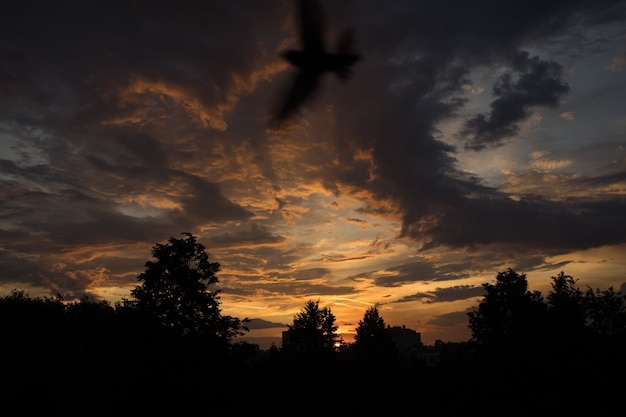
(472,137)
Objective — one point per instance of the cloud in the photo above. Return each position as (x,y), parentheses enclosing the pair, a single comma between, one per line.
(255,324)
(412,272)
(255,235)
(538,83)
(539,161)
(455,293)
(409,174)
(618,63)
(449,319)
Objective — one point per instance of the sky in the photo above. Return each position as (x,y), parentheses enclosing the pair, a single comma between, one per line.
(471,137)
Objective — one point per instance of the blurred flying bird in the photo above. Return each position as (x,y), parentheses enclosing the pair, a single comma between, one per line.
(314,60)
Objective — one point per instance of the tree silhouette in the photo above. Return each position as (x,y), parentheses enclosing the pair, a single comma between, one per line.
(313,331)
(606,312)
(566,305)
(566,300)
(167,372)
(175,292)
(509,315)
(372,340)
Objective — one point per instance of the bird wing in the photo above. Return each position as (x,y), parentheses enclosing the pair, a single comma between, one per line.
(312,25)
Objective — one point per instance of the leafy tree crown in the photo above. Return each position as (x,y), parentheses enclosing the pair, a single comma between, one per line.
(313,329)
(176,290)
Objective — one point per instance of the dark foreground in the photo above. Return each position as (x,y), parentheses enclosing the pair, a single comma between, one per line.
(112,379)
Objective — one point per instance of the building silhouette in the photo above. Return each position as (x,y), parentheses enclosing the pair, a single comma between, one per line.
(404,338)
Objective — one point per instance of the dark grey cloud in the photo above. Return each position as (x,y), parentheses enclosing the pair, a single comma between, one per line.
(535,83)
(94,45)
(264,261)
(608,180)
(205,202)
(443,295)
(311,273)
(535,223)
(71,215)
(17,268)
(297,288)
(255,324)
(407,273)
(255,235)
(452,319)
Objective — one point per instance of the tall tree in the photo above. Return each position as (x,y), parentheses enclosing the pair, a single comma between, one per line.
(509,314)
(372,340)
(313,330)
(606,312)
(175,291)
(566,304)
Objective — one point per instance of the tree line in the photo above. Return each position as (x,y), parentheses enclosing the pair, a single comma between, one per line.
(170,347)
